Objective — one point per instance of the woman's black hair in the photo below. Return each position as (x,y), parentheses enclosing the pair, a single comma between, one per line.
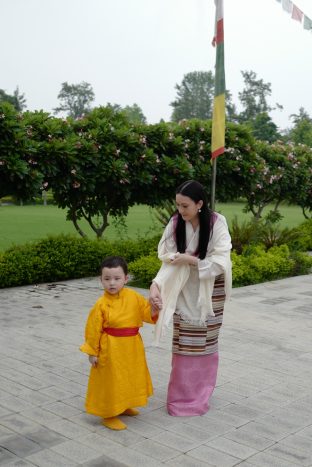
(196,192)
(115,262)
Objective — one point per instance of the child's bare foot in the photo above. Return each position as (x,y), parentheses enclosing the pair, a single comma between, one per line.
(114,423)
(131,412)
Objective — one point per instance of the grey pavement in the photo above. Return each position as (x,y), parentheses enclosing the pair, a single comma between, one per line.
(261,410)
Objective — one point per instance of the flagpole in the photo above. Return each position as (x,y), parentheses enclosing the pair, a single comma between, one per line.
(218,113)
(213,184)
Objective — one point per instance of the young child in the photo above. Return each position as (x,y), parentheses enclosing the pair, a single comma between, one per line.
(119,377)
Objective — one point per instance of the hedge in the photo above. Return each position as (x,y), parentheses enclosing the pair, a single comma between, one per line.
(67,257)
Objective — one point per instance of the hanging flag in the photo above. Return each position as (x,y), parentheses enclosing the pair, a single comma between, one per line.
(307,23)
(297,14)
(218,114)
(287,5)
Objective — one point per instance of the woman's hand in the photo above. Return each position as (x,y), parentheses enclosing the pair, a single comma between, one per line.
(183,258)
(93,360)
(155,298)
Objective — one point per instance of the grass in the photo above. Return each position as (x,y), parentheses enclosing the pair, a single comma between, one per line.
(21,224)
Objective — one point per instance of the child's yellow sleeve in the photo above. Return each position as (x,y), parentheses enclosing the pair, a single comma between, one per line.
(93,331)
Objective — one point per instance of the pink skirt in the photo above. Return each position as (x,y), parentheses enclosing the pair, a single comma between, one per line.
(191,384)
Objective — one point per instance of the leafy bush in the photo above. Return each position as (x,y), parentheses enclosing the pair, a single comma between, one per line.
(256,265)
(144,269)
(302,241)
(64,257)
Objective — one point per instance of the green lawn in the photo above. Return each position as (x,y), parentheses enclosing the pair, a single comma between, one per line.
(20,224)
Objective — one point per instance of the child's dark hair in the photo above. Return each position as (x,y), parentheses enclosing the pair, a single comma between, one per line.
(196,192)
(115,262)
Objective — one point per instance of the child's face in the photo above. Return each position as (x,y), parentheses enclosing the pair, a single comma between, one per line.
(113,279)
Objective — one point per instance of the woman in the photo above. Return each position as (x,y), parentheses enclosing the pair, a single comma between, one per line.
(191,286)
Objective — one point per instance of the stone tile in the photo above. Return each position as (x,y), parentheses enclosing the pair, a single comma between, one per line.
(265,459)
(68,429)
(62,409)
(155,450)
(19,424)
(56,393)
(75,451)
(249,439)
(46,438)
(100,443)
(242,411)
(270,431)
(291,454)
(190,431)
(213,456)
(15,404)
(129,457)
(125,437)
(231,447)
(103,461)
(180,443)
(145,429)
(5,456)
(18,463)
(306,432)
(47,458)
(77,402)
(19,445)
(187,461)
(40,415)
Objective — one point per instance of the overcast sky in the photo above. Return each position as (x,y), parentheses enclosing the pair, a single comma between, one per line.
(135,51)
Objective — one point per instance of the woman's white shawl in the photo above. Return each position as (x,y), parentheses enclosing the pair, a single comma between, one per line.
(172,278)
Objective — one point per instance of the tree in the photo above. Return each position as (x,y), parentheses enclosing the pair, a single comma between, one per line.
(75,99)
(17,100)
(134,113)
(264,128)
(254,97)
(20,175)
(301,133)
(194,96)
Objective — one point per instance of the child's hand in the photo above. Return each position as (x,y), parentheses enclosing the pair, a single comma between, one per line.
(93,360)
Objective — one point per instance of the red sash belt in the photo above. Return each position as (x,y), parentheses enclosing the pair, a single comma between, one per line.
(121,332)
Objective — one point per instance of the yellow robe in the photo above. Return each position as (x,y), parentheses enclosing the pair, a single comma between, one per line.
(121,379)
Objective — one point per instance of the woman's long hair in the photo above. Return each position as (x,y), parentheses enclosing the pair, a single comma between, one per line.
(196,192)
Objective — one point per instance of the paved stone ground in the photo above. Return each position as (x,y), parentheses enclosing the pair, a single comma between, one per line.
(261,411)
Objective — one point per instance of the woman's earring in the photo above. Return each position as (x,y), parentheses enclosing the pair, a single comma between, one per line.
(199,210)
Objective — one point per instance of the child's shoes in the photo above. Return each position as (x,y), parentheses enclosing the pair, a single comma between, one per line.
(131,412)
(114,423)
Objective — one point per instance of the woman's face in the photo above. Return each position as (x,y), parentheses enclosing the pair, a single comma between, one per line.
(187,207)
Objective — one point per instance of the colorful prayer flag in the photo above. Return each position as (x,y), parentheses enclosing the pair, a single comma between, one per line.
(307,23)
(287,5)
(297,14)
(218,114)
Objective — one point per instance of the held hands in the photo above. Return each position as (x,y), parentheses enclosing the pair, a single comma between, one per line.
(93,360)
(155,299)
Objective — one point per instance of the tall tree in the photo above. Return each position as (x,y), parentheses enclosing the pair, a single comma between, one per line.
(264,128)
(194,96)
(134,113)
(301,133)
(254,97)
(75,99)
(17,100)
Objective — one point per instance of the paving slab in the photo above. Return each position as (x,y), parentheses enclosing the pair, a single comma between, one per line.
(260,413)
